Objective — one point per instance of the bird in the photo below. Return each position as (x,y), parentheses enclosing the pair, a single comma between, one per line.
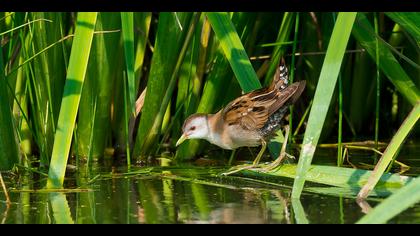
(250,120)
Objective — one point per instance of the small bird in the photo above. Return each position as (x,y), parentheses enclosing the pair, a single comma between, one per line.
(249,120)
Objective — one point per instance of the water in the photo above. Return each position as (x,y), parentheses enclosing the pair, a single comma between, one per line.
(187,194)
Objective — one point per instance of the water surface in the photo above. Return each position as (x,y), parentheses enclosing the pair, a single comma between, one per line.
(175,194)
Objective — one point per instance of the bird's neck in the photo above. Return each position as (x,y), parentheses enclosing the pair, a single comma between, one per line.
(215,122)
(216,129)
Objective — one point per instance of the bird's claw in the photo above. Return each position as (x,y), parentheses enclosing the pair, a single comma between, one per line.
(237,169)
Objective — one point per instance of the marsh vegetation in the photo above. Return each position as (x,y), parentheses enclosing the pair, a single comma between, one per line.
(80,91)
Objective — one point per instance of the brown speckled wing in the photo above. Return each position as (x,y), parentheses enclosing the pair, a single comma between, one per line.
(246,112)
(289,95)
(251,111)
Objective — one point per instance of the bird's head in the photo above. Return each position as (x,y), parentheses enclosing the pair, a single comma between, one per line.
(195,127)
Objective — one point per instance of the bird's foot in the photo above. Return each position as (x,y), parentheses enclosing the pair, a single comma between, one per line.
(276,163)
(237,169)
(254,164)
(259,167)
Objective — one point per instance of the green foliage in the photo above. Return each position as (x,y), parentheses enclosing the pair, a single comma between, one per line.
(365,34)
(323,94)
(169,39)
(234,51)
(127,23)
(391,150)
(393,205)
(196,63)
(409,21)
(71,97)
(94,117)
(9,156)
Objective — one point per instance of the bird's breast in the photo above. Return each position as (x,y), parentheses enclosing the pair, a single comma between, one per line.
(231,136)
(243,138)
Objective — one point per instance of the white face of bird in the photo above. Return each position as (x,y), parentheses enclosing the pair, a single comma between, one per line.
(195,127)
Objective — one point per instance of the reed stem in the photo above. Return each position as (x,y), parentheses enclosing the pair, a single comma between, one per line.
(6,194)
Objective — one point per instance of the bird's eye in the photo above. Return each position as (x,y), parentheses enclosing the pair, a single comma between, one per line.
(192,128)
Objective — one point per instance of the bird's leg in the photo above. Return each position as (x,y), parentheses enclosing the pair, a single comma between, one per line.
(258,158)
(282,154)
(254,163)
(232,156)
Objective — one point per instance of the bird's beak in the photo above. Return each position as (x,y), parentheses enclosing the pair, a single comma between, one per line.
(181,139)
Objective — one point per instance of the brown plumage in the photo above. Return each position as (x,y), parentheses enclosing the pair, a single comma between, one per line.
(251,111)
(250,119)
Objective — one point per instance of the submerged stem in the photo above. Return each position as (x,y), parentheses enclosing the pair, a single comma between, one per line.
(3,185)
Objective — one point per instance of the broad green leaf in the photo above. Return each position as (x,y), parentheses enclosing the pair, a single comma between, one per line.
(143,19)
(323,95)
(234,50)
(333,176)
(79,56)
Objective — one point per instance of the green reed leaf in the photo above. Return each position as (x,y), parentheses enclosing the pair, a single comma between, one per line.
(127,22)
(393,205)
(234,50)
(365,34)
(323,95)
(79,56)
(391,150)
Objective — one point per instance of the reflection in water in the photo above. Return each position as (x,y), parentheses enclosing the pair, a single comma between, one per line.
(189,195)
(5,213)
(60,208)
(299,212)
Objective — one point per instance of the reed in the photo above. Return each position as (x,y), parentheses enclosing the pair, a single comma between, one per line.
(389,65)
(127,24)
(323,94)
(169,40)
(393,205)
(234,51)
(94,117)
(10,154)
(69,82)
(390,152)
(71,98)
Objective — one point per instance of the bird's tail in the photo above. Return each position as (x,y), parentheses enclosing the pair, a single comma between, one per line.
(281,78)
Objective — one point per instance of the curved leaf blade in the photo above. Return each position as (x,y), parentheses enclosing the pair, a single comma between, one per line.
(365,34)
(409,21)
(395,204)
(234,50)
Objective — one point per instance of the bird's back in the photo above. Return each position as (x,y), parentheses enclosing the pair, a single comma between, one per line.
(260,112)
